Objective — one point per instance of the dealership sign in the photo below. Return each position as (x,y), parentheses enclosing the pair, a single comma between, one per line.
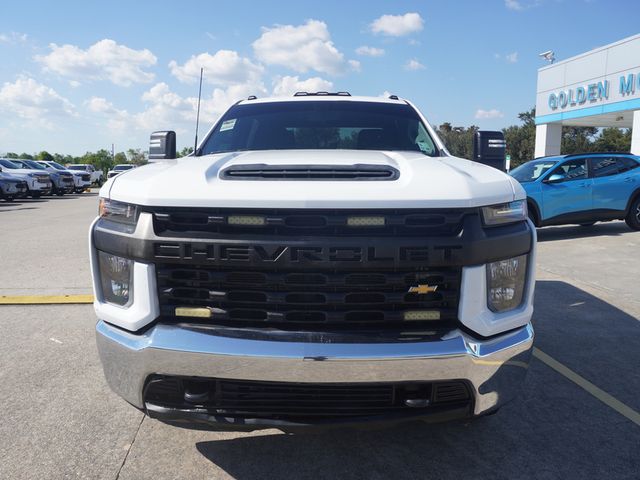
(593,92)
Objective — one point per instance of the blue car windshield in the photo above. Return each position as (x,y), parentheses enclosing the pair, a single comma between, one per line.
(531,171)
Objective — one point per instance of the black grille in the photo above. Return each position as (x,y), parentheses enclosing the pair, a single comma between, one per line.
(86,177)
(181,222)
(313,299)
(310,172)
(287,400)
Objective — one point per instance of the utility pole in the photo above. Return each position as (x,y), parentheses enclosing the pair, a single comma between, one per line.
(113,153)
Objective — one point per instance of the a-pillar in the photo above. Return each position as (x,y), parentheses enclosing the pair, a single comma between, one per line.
(635,133)
(548,139)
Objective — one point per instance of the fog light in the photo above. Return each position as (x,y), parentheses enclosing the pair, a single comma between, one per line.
(365,221)
(246,220)
(116,278)
(505,283)
(422,315)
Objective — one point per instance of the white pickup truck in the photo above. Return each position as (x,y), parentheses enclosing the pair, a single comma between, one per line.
(96,176)
(319,260)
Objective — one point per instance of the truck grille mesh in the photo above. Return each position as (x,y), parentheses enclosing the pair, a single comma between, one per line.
(312,299)
(294,222)
(287,400)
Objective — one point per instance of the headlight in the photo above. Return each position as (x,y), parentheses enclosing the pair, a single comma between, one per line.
(116,278)
(505,283)
(118,211)
(505,213)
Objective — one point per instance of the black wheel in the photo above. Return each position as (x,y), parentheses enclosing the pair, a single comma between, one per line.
(8,199)
(633,216)
(35,194)
(588,224)
(59,192)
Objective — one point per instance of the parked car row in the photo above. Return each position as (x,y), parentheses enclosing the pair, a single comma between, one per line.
(21,178)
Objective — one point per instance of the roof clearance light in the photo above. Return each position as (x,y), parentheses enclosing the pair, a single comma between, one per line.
(365,221)
(247,220)
(422,315)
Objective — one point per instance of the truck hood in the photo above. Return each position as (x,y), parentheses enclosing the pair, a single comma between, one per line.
(424,182)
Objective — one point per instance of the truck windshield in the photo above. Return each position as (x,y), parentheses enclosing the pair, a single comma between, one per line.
(320,125)
(531,171)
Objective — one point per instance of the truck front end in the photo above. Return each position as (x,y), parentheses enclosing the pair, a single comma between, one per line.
(297,287)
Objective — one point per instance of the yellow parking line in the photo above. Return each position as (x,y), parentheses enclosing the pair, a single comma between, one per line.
(44,299)
(585,384)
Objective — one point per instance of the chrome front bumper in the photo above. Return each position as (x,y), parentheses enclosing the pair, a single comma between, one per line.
(494,368)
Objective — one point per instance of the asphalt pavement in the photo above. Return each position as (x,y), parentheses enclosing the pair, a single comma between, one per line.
(60,420)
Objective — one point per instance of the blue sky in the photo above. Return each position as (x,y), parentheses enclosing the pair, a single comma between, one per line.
(79,76)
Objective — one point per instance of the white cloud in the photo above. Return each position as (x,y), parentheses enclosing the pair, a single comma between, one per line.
(300,48)
(13,37)
(34,101)
(370,51)
(287,86)
(104,60)
(513,5)
(397,25)
(511,57)
(165,109)
(225,67)
(118,120)
(414,65)
(488,114)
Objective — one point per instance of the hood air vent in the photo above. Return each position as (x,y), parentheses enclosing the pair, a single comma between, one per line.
(357,172)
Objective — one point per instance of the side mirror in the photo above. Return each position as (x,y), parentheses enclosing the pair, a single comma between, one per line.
(162,146)
(555,178)
(490,149)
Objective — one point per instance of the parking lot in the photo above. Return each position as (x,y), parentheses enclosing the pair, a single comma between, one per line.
(578,415)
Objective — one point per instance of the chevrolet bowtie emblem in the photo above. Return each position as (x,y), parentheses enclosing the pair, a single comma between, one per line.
(422,289)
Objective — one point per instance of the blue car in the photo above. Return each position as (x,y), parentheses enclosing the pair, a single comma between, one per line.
(582,188)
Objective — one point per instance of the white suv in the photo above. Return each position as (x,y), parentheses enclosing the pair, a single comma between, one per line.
(320,259)
(95,175)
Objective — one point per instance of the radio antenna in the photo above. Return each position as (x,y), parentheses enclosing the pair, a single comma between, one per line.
(195,145)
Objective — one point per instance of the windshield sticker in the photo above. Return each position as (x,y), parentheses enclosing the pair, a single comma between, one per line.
(228,125)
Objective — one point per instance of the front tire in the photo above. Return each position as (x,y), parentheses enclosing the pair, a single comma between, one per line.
(35,194)
(633,216)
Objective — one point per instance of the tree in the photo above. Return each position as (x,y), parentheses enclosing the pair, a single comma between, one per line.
(458,140)
(101,159)
(44,155)
(521,139)
(185,151)
(11,155)
(120,157)
(136,156)
(613,140)
(26,156)
(578,139)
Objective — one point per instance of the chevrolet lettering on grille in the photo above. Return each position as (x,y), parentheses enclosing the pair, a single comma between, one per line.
(269,254)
